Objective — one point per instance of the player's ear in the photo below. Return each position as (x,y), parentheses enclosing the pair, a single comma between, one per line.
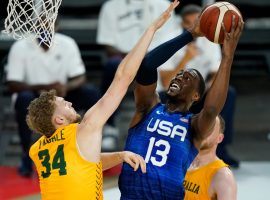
(58,120)
(196,97)
(220,138)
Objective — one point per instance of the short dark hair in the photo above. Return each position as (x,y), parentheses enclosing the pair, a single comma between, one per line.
(221,124)
(190,9)
(201,87)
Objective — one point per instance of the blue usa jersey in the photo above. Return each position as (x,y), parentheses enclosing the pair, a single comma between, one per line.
(164,140)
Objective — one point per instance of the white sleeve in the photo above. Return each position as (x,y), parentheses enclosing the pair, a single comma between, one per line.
(16,64)
(75,64)
(215,58)
(106,26)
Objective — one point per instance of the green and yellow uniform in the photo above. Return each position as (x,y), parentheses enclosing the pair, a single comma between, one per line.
(63,173)
(197,182)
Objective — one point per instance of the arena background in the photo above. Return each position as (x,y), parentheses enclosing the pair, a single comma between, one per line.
(250,76)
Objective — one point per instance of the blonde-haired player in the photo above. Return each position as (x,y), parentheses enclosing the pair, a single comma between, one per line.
(67,156)
(208,177)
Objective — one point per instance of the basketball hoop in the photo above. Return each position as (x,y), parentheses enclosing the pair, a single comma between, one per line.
(33,19)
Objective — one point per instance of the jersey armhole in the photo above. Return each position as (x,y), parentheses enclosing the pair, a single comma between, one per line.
(214,172)
(78,151)
(145,116)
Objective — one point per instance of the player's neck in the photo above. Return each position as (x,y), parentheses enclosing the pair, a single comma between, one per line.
(177,106)
(204,157)
(57,126)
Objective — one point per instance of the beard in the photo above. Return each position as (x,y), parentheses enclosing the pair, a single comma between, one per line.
(76,119)
(170,98)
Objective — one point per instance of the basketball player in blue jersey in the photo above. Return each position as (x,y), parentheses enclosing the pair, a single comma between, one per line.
(169,136)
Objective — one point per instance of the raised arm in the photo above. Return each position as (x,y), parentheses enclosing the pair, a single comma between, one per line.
(204,122)
(125,74)
(146,81)
(89,131)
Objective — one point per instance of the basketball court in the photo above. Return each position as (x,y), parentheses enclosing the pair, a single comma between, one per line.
(252,180)
(250,141)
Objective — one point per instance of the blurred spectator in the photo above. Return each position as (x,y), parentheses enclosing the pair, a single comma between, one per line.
(204,56)
(207,2)
(32,68)
(121,23)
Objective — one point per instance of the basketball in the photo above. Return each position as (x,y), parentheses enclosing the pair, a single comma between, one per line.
(212,18)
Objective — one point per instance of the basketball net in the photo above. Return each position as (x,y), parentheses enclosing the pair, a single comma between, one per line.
(33,19)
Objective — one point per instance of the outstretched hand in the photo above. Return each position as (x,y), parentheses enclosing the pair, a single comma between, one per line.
(165,15)
(195,30)
(134,160)
(231,39)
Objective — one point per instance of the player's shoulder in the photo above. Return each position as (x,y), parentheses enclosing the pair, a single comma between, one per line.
(21,45)
(223,176)
(224,172)
(36,146)
(223,183)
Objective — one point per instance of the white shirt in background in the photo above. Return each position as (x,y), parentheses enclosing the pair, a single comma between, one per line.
(29,63)
(122,23)
(206,62)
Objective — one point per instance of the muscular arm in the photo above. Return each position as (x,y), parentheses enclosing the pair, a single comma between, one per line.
(223,185)
(89,131)
(204,122)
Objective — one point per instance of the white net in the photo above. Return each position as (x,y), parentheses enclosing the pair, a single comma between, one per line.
(32,19)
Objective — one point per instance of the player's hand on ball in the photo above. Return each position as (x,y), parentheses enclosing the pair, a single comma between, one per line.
(165,15)
(134,160)
(231,39)
(195,29)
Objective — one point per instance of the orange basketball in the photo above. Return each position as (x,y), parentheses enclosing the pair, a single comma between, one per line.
(212,18)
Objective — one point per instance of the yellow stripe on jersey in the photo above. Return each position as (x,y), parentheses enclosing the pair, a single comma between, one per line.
(63,173)
(197,182)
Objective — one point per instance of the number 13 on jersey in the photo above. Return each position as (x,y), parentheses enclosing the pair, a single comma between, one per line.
(158,153)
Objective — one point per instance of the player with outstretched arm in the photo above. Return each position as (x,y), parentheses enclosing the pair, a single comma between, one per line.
(68,155)
(167,135)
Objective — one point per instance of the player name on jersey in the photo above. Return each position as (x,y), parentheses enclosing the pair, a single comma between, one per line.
(192,187)
(55,138)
